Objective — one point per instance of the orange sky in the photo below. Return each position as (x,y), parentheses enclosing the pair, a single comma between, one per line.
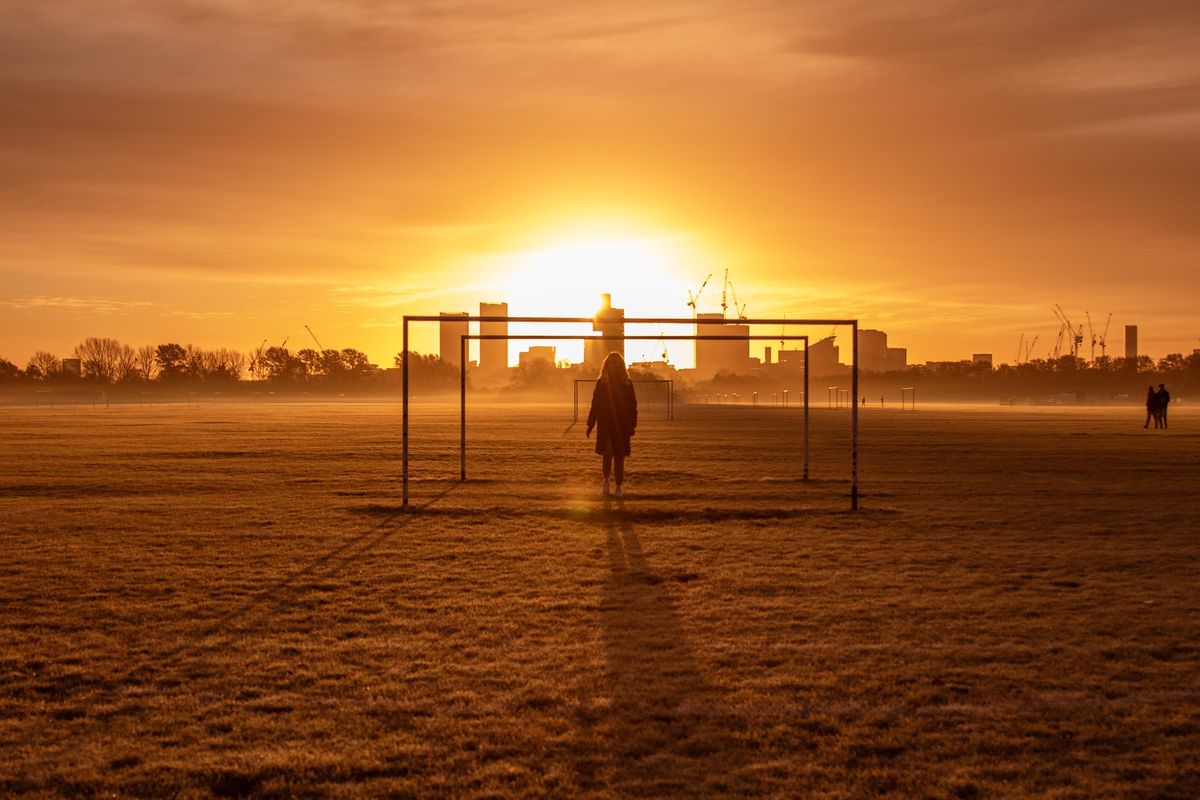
(221,172)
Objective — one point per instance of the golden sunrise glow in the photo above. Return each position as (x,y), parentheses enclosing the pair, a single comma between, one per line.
(646,275)
(944,177)
(568,279)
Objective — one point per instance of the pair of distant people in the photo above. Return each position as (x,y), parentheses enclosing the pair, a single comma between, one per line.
(1157,403)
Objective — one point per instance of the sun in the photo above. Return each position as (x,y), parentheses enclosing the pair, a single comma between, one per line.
(565,276)
(644,275)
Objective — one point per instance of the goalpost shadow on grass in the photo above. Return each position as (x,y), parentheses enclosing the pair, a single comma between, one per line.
(275,596)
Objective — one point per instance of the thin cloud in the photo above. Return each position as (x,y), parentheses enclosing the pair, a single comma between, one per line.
(80,305)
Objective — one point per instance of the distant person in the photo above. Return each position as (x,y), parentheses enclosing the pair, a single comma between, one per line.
(614,416)
(881,401)
(864,401)
(1151,407)
(1164,402)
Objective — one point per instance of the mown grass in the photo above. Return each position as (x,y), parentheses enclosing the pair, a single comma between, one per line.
(229,601)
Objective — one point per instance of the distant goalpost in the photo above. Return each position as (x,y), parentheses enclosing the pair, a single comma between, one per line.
(851,323)
(467,338)
(667,384)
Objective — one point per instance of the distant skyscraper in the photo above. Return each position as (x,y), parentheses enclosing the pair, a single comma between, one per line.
(450,331)
(825,357)
(1131,344)
(721,355)
(897,358)
(872,351)
(610,323)
(493,353)
(546,353)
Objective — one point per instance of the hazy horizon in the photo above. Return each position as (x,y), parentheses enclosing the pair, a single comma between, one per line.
(224,173)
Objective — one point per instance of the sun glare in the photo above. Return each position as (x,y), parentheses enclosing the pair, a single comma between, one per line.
(645,276)
(567,280)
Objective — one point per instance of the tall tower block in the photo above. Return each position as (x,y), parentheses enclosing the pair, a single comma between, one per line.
(493,353)
(450,333)
(1131,347)
(609,322)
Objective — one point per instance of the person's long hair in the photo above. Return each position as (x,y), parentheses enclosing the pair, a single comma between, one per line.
(613,370)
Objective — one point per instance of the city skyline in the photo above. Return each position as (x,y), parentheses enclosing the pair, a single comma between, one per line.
(947,172)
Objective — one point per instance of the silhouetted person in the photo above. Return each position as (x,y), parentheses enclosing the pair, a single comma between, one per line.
(1164,402)
(1151,407)
(614,416)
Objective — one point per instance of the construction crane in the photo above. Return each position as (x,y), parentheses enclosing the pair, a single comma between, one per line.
(724,289)
(1020,347)
(1104,337)
(320,347)
(693,298)
(1075,335)
(1031,345)
(740,310)
(1091,335)
(1057,352)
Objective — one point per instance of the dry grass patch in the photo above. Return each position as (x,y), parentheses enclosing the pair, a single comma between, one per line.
(241,609)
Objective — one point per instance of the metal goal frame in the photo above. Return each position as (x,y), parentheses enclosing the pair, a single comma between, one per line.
(795,321)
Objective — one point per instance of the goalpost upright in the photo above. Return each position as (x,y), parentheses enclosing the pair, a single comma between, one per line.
(404,382)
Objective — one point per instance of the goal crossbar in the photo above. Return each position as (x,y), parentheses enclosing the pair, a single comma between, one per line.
(852,323)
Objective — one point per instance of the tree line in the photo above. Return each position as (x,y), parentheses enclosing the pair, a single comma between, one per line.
(108,361)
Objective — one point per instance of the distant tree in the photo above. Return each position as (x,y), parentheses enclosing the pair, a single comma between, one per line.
(43,365)
(171,360)
(125,368)
(1173,362)
(223,364)
(233,364)
(431,373)
(278,364)
(255,364)
(537,375)
(99,358)
(195,362)
(355,363)
(8,370)
(145,364)
(331,365)
(311,360)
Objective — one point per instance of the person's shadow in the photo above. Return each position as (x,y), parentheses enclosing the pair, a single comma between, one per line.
(666,731)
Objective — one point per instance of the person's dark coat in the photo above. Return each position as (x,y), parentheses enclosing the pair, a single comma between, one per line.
(614,415)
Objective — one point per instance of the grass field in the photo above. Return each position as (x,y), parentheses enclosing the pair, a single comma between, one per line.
(229,600)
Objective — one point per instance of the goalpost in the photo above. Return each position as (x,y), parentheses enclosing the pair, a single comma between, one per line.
(465,339)
(851,323)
